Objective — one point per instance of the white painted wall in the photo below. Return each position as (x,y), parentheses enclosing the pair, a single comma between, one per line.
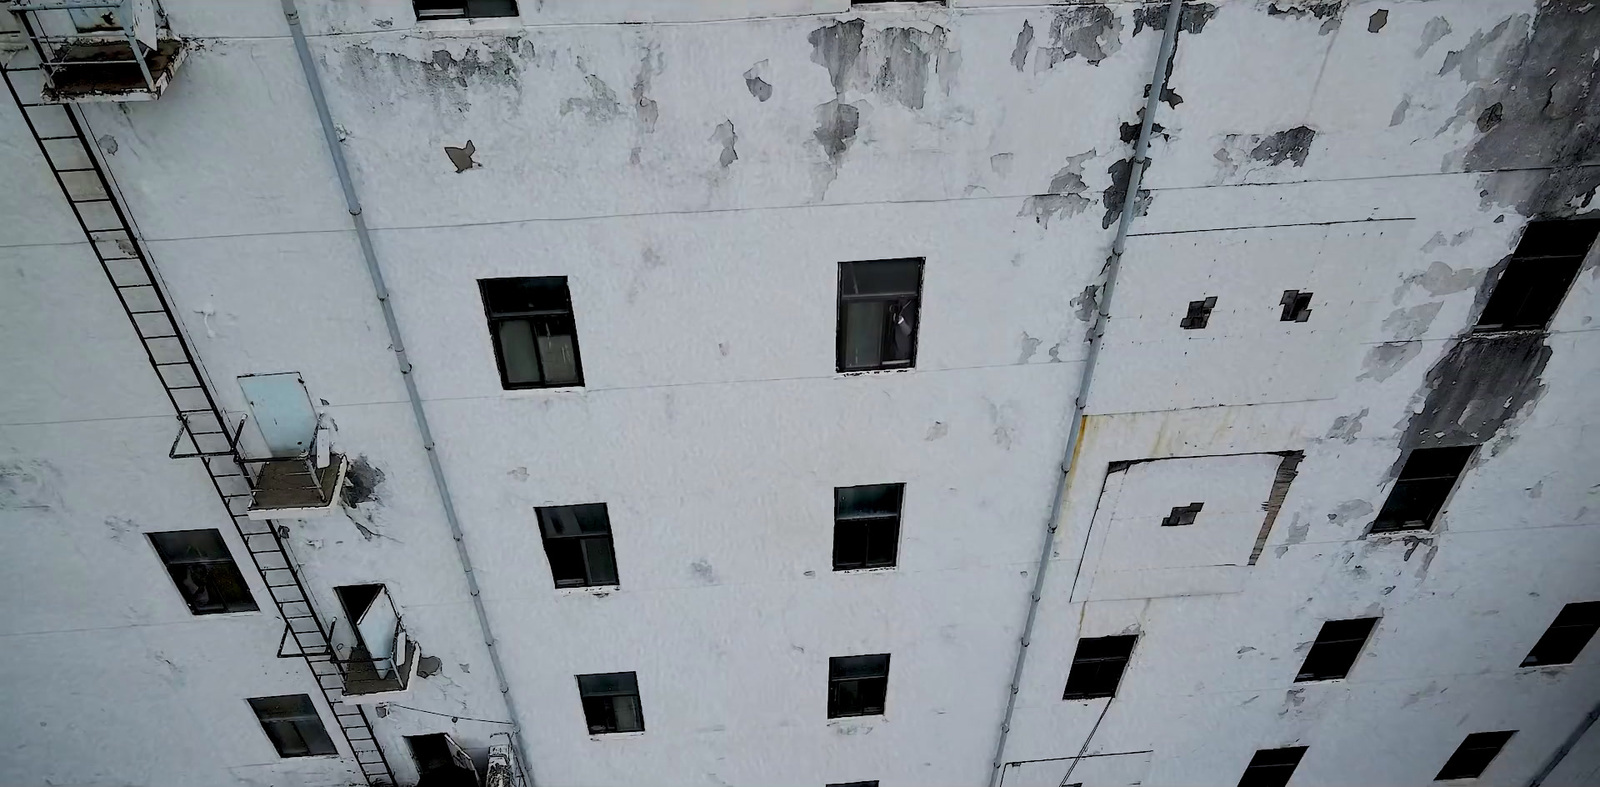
(714,426)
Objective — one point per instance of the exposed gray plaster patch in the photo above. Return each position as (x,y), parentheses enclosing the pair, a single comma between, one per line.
(1191,19)
(121,526)
(442,75)
(836,127)
(1001,163)
(1092,32)
(938,430)
(1441,279)
(1116,193)
(836,47)
(1536,152)
(1400,109)
(1412,322)
(108,144)
(600,105)
(1019,55)
(1085,303)
(518,473)
(1055,351)
(1292,145)
(1378,19)
(755,83)
(1297,531)
(1346,427)
(462,157)
(1349,511)
(645,108)
(1466,60)
(1383,360)
(28,484)
(428,666)
(1479,383)
(1065,194)
(1027,346)
(362,482)
(725,136)
(703,571)
(1436,28)
(1439,240)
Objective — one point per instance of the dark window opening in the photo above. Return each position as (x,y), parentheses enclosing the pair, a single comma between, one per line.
(204,571)
(866,525)
(1097,667)
(534,333)
(1272,767)
(611,702)
(857,685)
(440,762)
(1572,629)
(1199,313)
(1296,306)
(464,9)
(291,721)
(878,304)
(1419,493)
(1474,755)
(873,783)
(1537,276)
(1336,649)
(577,539)
(1182,515)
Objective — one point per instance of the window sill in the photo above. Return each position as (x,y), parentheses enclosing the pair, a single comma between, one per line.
(528,393)
(862,372)
(488,24)
(214,615)
(612,736)
(871,570)
(1390,536)
(598,591)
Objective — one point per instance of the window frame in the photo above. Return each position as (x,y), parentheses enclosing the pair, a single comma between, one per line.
(1386,521)
(226,563)
(870,524)
(1588,614)
(533,317)
(1538,248)
(1493,741)
(898,299)
(1266,771)
(1321,648)
(579,539)
(872,682)
(466,12)
(585,696)
(306,714)
(1098,664)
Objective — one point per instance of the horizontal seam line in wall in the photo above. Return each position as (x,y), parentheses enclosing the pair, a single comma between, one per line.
(1398,536)
(164,417)
(490,29)
(1271,226)
(647,214)
(1084,757)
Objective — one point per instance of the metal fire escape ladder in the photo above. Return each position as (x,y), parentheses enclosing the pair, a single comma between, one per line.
(203,431)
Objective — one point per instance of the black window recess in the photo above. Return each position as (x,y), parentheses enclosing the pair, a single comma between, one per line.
(1425,482)
(1566,637)
(1272,767)
(611,702)
(1338,645)
(1474,755)
(463,9)
(857,685)
(1537,276)
(534,333)
(878,305)
(577,539)
(204,571)
(866,526)
(1097,666)
(292,723)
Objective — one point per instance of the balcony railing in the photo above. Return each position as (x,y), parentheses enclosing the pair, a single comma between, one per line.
(368,679)
(100,50)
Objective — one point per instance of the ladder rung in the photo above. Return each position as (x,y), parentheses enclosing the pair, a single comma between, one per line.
(182,387)
(72,169)
(156,311)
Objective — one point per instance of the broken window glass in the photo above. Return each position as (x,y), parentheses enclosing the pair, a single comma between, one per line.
(1272,767)
(204,571)
(1097,666)
(1338,645)
(866,526)
(1425,481)
(1296,306)
(611,702)
(1182,515)
(857,685)
(292,723)
(577,539)
(1537,276)
(1199,314)
(534,332)
(878,304)
(1567,635)
(1474,755)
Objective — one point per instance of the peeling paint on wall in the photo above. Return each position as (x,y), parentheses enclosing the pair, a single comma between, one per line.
(1192,18)
(1330,11)
(725,136)
(755,83)
(1479,383)
(1383,360)
(1064,195)
(1093,32)
(1019,54)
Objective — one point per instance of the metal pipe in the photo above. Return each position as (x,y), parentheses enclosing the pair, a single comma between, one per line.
(1096,330)
(1566,747)
(330,135)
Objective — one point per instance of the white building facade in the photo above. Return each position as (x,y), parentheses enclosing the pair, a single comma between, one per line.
(803,292)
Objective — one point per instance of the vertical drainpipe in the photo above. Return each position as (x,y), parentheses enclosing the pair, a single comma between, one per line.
(1097,330)
(314,82)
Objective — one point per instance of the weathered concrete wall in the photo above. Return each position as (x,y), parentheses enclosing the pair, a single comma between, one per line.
(697,179)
